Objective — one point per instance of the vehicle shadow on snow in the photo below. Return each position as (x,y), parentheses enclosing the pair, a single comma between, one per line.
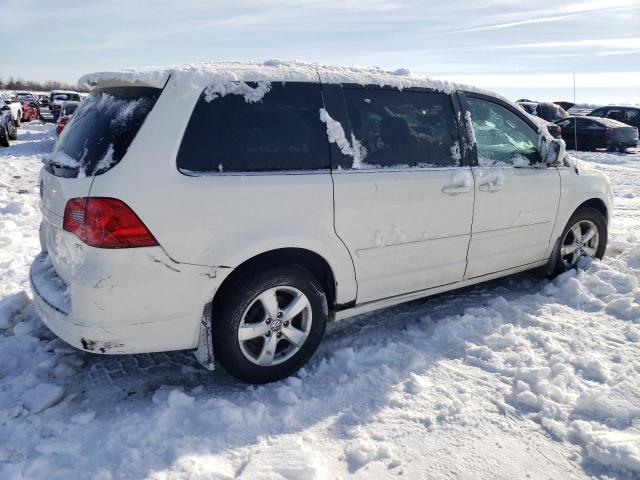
(133,377)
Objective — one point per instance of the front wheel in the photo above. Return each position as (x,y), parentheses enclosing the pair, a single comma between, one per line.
(270,325)
(584,236)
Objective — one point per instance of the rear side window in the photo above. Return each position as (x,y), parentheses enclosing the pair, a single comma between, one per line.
(280,131)
(403,128)
(101,130)
(502,137)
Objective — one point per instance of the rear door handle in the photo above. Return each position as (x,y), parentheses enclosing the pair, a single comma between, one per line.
(490,187)
(452,190)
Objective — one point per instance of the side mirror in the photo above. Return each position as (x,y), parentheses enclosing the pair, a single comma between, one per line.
(555,153)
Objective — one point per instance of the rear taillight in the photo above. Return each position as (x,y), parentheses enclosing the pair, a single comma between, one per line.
(106,223)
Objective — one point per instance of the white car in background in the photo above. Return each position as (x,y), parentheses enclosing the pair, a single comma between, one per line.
(236,208)
(58,97)
(14,106)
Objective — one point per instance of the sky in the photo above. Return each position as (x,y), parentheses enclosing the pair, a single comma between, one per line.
(515,47)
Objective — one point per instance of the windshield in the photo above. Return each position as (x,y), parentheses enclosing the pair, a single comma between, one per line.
(102,128)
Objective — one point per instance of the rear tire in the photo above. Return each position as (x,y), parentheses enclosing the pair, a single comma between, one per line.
(4,137)
(585,235)
(259,336)
(13,132)
(19,120)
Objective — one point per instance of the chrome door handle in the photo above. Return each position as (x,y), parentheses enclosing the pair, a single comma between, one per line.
(490,187)
(453,190)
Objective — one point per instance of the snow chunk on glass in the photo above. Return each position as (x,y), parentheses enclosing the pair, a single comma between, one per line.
(251,95)
(60,159)
(336,135)
(471,134)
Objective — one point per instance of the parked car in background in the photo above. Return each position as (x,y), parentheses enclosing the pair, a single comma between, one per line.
(66,111)
(43,100)
(548,111)
(592,133)
(293,196)
(30,109)
(532,108)
(8,130)
(15,107)
(23,95)
(58,97)
(624,114)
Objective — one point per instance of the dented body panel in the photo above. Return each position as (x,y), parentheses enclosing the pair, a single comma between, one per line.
(123,301)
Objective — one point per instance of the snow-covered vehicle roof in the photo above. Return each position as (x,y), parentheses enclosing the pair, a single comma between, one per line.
(194,77)
(204,74)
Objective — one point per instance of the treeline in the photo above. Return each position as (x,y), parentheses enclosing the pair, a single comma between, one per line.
(20,84)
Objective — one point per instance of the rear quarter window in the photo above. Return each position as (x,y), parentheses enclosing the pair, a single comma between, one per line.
(280,131)
(101,130)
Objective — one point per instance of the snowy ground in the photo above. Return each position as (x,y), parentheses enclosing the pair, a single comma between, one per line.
(518,378)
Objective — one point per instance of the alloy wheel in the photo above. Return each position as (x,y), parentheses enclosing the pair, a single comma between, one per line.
(581,240)
(275,326)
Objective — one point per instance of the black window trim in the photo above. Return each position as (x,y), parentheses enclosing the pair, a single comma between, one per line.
(269,173)
(498,101)
(455,107)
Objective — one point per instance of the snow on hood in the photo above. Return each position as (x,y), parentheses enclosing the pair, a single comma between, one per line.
(200,75)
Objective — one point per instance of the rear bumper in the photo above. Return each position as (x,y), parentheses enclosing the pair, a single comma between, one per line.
(147,313)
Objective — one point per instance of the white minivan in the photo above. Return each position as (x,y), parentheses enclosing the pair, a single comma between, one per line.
(236,208)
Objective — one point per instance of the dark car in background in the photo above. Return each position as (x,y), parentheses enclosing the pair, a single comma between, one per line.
(547,111)
(625,114)
(592,133)
(8,129)
(66,112)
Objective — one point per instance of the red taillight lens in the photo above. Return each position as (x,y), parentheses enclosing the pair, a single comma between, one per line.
(106,223)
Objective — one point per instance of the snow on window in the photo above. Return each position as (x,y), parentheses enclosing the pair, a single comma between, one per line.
(105,162)
(336,135)
(471,135)
(61,159)
(250,94)
(520,161)
(455,152)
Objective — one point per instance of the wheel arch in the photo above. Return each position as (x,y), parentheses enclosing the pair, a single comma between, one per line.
(315,263)
(596,204)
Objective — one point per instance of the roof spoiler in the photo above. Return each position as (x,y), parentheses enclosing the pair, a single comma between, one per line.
(100,80)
